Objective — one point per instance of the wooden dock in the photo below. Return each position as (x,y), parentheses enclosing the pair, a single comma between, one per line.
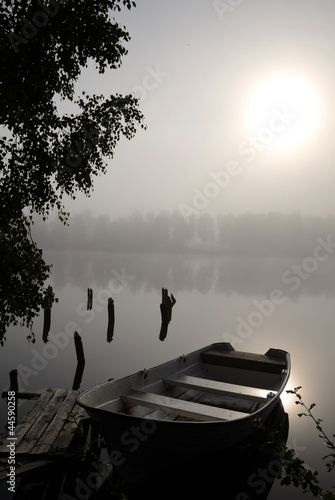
(45,433)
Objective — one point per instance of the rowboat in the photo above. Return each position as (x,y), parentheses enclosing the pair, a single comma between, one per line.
(203,402)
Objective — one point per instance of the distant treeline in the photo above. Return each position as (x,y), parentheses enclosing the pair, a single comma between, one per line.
(248,234)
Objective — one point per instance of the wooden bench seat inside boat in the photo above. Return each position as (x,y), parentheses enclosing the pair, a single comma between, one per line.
(196,411)
(246,361)
(221,388)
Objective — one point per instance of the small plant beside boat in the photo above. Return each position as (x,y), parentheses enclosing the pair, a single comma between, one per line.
(294,470)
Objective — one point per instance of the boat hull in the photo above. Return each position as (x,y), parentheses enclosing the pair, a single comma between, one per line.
(235,471)
(136,445)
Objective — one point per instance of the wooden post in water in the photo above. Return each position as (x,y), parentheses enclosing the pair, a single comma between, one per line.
(47,313)
(14,387)
(89,298)
(79,348)
(14,382)
(80,361)
(111,320)
(166,312)
(46,324)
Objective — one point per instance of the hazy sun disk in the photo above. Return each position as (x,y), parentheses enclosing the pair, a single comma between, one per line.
(283,112)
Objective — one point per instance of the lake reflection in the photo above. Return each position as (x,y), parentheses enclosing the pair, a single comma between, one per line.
(215,297)
(243,275)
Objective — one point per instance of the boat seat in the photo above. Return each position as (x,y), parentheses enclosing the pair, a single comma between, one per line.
(244,360)
(221,388)
(180,407)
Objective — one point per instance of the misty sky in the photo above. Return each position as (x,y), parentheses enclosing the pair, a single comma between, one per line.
(238,97)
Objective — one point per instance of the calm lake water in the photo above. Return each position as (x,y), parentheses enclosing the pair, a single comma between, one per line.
(255,303)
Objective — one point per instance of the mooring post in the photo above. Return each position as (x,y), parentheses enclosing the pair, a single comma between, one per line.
(79,348)
(166,312)
(80,361)
(14,387)
(111,320)
(14,382)
(47,313)
(89,298)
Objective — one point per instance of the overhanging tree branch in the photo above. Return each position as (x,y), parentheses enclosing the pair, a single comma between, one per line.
(43,155)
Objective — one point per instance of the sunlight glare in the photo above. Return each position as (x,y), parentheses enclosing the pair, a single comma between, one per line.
(283,112)
(288,400)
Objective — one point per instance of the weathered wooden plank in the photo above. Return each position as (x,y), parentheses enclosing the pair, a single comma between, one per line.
(56,424)
(180,407)
(24,465)
(221,388)
(45,432)
(66,434)
(70,424)
(41,423)
(244,360)
(30,418)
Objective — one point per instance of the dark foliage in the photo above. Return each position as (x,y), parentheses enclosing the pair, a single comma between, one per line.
(45,155)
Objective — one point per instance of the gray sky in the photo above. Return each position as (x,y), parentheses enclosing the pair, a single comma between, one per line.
(238,97)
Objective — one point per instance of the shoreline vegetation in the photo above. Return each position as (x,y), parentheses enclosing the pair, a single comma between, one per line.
(270,234)
(294,470)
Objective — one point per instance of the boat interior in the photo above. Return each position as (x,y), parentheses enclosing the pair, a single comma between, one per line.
(212,385)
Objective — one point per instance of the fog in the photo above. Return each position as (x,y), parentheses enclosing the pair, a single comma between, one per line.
(265,234)
(248,254)
(234,214)
(195,66)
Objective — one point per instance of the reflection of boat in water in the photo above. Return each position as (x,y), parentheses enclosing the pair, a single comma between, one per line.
(192,406)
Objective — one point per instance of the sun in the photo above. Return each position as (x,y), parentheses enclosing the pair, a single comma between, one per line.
(283,112)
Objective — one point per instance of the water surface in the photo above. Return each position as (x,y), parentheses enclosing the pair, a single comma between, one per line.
(255,303)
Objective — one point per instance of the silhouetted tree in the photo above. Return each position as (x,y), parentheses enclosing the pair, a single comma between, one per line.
(46,155)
